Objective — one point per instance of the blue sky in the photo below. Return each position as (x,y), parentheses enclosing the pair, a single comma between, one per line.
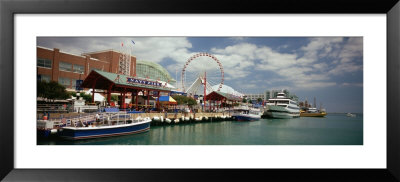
(328,68)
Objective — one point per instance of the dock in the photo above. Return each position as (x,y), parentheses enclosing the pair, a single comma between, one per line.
(158,118)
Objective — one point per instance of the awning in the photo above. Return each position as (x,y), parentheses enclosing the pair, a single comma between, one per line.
(167,99)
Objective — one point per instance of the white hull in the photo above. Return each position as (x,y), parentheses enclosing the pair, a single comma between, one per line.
(282,115)
(282,107)
(282,112)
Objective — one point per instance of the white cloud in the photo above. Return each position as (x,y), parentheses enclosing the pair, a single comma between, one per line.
(304,68)
(352,49)
(157,48)
(314,84)
(320,66)
(345,84)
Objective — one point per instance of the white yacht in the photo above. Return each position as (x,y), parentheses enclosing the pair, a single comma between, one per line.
(282,107)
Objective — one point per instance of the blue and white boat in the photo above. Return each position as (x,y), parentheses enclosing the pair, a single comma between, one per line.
(246,114)
(107,125)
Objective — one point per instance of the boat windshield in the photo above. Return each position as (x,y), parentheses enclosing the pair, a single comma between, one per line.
(254,112)
(282,102)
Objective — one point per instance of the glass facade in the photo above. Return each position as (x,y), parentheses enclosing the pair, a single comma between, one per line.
(45,63)
(79,68)
(65,66)
(153,71)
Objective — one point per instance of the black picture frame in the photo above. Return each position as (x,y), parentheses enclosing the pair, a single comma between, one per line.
(9,8)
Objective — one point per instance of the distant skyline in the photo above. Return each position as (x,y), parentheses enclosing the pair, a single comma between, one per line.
(328,68)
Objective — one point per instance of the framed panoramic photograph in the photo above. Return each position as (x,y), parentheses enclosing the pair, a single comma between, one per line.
(121,91)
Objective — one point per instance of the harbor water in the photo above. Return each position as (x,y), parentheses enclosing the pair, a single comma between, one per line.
(334,129)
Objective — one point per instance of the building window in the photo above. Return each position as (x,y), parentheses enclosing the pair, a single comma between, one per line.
(45,78)
(46,63)
(73,82)
(65,66)
(64,81)
(79,69)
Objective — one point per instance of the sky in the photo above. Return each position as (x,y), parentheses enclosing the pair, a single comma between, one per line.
(328,68)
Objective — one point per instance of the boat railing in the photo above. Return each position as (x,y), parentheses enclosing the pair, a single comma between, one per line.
(102,118)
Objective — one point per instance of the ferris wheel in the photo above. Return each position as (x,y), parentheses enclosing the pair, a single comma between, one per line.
(200,73)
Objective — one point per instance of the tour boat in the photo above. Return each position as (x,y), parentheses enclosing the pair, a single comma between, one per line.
(282,107)
(246,114)
(107,126)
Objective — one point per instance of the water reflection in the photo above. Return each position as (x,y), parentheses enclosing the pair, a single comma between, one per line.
(332,130)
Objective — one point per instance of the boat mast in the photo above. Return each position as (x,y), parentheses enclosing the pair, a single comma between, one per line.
(315,103)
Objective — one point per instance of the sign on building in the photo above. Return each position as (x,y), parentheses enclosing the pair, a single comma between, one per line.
(144,82)
(78,85)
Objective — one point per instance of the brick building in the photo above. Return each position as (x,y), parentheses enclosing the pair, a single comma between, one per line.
(66,68)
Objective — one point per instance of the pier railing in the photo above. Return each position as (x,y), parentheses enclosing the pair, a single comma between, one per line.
(106,118)
(52,108)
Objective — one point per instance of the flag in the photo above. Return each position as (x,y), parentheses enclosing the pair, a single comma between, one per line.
(122,44)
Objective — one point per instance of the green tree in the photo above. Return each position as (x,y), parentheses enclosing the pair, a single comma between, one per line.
(191,101)
(244,100)
(86,97)
(114,98)
(181,99)
(41,88)
(259,100)
(51,90)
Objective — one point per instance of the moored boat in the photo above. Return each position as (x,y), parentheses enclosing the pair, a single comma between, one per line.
(350,115)
(312,112)
(48,128)
(246,114)
(114,125)
(317,114)
(282,107)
